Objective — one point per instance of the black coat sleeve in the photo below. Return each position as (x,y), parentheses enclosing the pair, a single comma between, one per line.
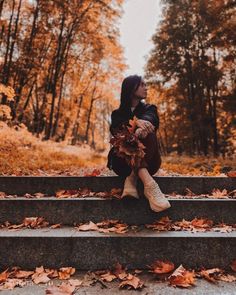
(150,114)
(117,121)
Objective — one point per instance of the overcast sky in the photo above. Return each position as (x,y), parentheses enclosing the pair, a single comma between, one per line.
(137,26)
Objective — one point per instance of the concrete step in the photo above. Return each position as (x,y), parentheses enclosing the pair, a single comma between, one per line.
(51,184)
(91,250)
(129,210)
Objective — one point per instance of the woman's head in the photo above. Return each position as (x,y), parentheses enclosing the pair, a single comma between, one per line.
(132,86)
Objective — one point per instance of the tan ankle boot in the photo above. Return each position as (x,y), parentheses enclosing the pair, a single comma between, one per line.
(156,198)
(130,187)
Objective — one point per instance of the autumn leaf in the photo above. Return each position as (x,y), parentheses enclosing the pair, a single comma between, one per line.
(210,274)
(94,173)
(63,289)
(4,275)
(127,145)
(35,222)
(231,173)
(233,265)
(202,222)
(218,194)
(108,277)
(89,226)
(22,274)
(131,281)
(133,124)
(162,267)
(65,273)
(40,276)
(10,284)
(182,277)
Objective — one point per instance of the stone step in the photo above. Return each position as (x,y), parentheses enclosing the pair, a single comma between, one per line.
(51,184)
(128,210)
(91,250)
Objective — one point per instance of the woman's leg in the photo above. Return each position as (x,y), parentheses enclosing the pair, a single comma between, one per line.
(120,166)
(152,159)
(149,166)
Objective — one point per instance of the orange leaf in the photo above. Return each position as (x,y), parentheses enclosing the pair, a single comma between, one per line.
(231,174)
(65,272)
(182,277)
(132,282)
(160,267)
(233,265)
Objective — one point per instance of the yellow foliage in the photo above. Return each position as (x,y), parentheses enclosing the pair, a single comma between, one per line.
(5,112)
(24,154)
(8,91)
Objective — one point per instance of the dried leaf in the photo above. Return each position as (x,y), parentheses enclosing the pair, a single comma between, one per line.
(65,273)
(131,281)
(182,277)
(233,265)
(63,289)
(160,267)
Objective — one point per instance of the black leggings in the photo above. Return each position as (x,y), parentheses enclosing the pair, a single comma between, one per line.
(151,161)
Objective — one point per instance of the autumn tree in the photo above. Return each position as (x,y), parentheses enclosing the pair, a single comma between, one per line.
(61,58)
(193,62)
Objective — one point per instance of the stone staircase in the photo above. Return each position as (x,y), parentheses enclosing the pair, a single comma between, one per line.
(93,250)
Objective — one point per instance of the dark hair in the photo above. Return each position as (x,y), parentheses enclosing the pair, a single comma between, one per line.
(129,85)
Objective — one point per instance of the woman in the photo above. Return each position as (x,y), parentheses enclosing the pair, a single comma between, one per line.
(133,90)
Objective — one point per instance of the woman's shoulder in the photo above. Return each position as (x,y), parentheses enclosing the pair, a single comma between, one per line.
(149,106)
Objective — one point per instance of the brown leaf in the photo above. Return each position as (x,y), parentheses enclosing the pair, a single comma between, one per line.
(57,225)
(89,226)
(231,174)
(133,124)
(160,267)
(233,265)
(4,275)
(40,276)
(182,277)
(131,281)
(75,282)
(35,222)
(218,194)
(202,222)
(22,274)
(66,272)
(108,277)
(63,289)
(95,172)
(227,278)
(10,284)
(119,272)
(210,274)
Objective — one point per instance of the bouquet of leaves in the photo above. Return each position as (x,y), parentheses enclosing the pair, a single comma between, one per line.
(127,144)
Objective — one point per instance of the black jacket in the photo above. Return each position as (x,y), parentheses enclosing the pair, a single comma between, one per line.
(142,111)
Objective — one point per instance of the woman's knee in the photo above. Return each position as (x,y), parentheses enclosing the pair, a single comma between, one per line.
(120,167)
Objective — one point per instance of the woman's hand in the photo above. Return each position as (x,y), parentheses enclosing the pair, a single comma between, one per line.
(145,125)
(141,133)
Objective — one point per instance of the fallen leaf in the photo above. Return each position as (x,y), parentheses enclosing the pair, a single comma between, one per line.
(182,277)
(89,226)
(233,265)
(4,275)
(231,174)
(10,284)
(40,276)
(108,277)
(63,289)
(65,273)
(210,274)
(131,281)
(160,267)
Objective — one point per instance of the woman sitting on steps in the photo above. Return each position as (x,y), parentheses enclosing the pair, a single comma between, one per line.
(133,90)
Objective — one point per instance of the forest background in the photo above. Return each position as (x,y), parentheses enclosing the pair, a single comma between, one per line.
(61,67)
